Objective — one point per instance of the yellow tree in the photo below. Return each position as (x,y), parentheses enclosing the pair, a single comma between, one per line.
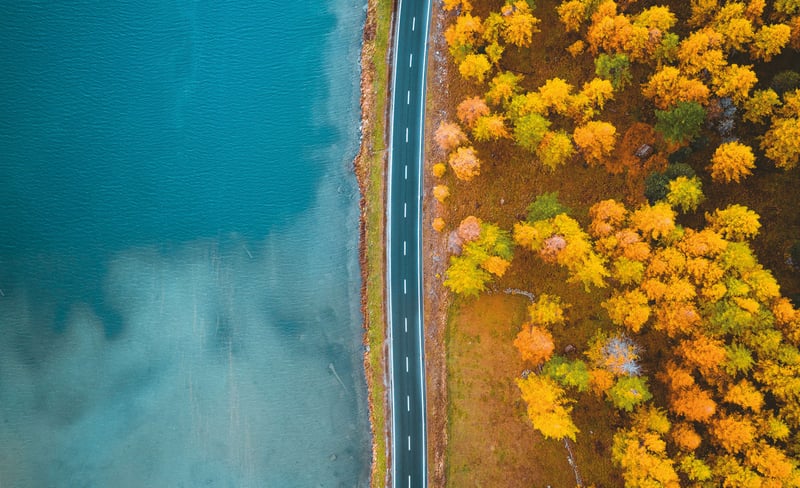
(520,24)
(598,91)
(503,87)
(490,127)
(701,50)
(555,149)
(474,66)
(548,409)
(535,344)
(769,41)
(642,453)
(669,86)
(572,14)
(492,27)
(734,81)
(735,27)
(676,319)
(556,94)
(654,221)
(629,309)
(746,395)
(707,355)
(547,311)
(466,277)
(686,437)
(734,222)
(441,192)
(465,163)
(596,140)
(685,193)
(760,105)
(470,110)
(496,265)
(754,10)
(693,403)
(449,136)
(464,36)
(781,143)
(464,5)
(732,161)
(702,12)
(732,432)
(657,17)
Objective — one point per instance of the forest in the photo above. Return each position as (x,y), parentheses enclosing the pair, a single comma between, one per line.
(633,165)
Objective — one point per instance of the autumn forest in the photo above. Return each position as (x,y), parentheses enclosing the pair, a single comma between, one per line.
(633,165)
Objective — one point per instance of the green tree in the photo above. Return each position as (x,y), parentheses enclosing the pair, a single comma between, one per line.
(545,206)
(682,123)
(568,373)
(529,130)
(628,392)
(615,68)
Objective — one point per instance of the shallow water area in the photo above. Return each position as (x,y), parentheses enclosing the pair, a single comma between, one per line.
(179,284)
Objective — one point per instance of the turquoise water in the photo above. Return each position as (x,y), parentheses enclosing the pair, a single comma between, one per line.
(179,284)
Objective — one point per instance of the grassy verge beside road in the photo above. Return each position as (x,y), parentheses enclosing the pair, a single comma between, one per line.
(371,169)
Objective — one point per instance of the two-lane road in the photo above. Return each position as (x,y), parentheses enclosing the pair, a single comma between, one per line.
(404,269)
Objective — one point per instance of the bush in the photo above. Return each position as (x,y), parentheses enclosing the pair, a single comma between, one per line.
(785,81)
(681,155)
(545,206)
(794,253)
(679,169)
(656,186)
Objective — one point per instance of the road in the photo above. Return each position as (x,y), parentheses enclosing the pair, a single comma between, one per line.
(404,244)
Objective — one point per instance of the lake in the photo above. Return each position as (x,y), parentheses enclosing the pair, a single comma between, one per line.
(179,281)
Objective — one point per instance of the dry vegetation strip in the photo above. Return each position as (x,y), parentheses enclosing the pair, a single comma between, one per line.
(370,168)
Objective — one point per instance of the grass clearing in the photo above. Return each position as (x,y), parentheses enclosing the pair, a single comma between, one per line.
(491,442)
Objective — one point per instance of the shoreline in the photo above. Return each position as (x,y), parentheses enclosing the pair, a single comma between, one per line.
(370,166)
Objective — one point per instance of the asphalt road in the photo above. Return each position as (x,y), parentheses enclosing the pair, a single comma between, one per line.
(404,270)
